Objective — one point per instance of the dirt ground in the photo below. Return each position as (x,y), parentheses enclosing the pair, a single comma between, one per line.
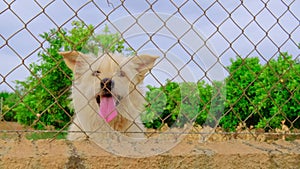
(218,152)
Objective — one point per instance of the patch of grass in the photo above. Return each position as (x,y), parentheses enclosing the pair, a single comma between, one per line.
(45,135)
(4,136)
(292,137)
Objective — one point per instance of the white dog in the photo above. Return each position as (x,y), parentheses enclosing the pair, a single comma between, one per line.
(106,93)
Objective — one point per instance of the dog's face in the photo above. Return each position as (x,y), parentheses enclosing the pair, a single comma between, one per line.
(108,79)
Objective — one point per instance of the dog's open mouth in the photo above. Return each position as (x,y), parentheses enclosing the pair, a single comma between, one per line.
(107,101)
(107,105)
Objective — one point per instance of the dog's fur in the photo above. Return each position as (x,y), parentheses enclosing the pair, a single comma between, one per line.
(126,74)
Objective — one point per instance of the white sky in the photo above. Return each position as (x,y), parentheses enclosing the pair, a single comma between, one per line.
(220,24)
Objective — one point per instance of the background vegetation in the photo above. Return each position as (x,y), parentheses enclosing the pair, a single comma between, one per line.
(259,95)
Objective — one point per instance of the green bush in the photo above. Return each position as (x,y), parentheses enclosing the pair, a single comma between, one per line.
(9,102)
(279,93)
(178,103)
(262,95)
(240,91)
(162,102)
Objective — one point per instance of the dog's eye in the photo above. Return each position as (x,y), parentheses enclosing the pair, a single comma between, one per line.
(122,73)
(96,73)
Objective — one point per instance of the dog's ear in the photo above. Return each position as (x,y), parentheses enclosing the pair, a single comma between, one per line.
(143,63)
(70,58)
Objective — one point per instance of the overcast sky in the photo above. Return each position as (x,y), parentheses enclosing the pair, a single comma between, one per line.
(174,30)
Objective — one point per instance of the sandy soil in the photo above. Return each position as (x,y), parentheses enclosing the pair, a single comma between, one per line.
(229,152)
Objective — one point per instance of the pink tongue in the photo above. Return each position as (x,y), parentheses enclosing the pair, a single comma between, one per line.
(108,109)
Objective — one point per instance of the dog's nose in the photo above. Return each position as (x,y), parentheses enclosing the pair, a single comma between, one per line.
(107,84)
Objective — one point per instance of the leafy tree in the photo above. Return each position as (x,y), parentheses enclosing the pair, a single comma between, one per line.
(262,95)
(45,93)
(106,42)
(279,93)
(240,91)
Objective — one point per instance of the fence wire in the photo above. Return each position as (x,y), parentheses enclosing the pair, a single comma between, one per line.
(261,82)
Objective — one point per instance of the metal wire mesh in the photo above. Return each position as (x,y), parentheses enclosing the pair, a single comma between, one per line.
(241,28)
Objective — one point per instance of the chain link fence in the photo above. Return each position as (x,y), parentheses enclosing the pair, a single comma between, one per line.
(242,57)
